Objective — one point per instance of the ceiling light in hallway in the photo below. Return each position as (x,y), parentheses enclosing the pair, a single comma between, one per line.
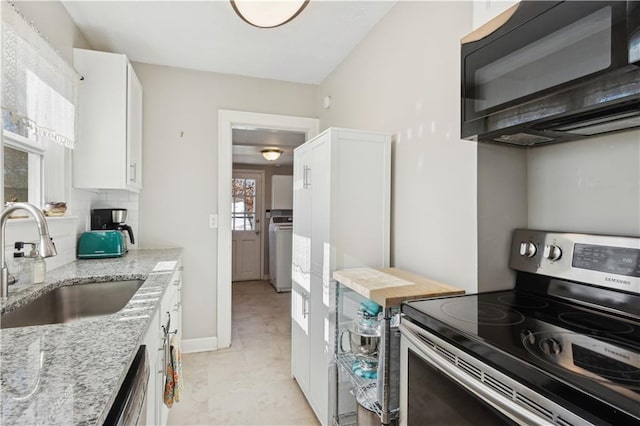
(271,154)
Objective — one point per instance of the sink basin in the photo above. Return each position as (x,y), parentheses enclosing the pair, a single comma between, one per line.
(72,302)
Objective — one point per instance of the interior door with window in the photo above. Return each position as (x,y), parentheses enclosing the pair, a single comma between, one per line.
(246,226)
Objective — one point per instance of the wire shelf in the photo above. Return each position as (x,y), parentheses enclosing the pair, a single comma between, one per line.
(345,361)
(349,419)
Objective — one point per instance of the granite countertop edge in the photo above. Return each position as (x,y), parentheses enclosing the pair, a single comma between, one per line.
(71,373)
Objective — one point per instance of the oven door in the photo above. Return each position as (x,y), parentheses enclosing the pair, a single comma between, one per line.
(440,384)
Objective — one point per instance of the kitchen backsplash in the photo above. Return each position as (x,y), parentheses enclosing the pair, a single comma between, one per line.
(61,229)
(121,200)
(66,230)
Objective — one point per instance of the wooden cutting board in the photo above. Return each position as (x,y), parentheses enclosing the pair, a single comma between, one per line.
(389,287)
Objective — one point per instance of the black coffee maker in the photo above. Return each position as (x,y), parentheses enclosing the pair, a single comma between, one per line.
(111,219)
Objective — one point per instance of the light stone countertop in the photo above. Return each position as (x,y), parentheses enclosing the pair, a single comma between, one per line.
(70,374)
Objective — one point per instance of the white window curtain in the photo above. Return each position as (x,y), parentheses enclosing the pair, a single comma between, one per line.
(39,88)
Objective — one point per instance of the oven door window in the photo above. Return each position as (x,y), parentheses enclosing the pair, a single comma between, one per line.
(435,399)
(567,42)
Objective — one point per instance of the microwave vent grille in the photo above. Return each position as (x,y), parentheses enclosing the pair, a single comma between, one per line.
(523,139)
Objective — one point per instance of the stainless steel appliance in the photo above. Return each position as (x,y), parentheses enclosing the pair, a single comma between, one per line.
(562,347)
(552,71)
(130,405)
(114,220)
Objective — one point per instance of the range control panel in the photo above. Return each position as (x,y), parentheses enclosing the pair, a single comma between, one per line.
(607,261)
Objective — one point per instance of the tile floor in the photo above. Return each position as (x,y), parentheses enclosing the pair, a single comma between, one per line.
(249,383)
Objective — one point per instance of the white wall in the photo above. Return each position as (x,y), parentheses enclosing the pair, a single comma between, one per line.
(403,78)
(591,185)
(180,167)
(485,10)
(502,207)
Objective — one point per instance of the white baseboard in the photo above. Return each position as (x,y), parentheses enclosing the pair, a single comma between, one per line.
(204,344)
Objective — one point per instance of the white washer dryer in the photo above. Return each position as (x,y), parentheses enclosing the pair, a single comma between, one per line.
(280,240)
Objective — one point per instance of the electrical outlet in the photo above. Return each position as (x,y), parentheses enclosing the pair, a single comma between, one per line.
(213,221)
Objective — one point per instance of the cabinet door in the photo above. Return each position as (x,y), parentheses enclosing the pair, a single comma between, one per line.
(151,340)
(99,157)
(321,342)
(302,212)
(300,337)
(320,174)
(176,315)
(134,130)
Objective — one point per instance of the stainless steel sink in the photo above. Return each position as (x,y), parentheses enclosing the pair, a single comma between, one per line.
(72,302)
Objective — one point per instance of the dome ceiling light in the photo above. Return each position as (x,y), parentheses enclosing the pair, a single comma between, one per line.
(268,14)
(271,154)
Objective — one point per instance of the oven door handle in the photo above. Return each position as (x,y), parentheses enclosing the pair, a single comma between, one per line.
(503,404)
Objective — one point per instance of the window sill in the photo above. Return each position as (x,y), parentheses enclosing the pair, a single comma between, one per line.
(22,219)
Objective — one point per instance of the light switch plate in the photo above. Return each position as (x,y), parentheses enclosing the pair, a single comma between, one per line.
(213,221)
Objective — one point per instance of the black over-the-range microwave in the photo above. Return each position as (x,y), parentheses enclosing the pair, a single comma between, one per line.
(552,71)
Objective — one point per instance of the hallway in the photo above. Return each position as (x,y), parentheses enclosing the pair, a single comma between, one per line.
(249,383)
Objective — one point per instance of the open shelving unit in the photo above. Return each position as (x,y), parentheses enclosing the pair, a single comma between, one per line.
(388,287)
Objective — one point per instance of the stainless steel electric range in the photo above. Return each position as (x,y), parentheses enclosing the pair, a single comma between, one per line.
(562,347)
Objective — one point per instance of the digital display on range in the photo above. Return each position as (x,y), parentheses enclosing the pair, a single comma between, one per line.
(614,260)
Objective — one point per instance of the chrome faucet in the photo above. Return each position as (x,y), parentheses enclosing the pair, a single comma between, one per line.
(46,247)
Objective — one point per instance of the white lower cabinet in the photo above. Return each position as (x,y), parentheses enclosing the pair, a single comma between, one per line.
(170,312)
(300,333)
(341,207)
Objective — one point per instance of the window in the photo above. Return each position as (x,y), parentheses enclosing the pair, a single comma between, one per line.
(243,201)
(22,172)
(38,100)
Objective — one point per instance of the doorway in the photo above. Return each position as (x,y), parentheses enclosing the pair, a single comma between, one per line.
(228,121)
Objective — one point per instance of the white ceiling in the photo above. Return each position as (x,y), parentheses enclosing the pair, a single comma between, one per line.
(247,144)
(209,36)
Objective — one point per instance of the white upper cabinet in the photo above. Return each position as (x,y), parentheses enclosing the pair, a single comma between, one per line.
(109,150)
(484,11)
(281,192)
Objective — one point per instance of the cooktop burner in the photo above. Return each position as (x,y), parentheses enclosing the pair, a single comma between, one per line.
(482,313)
(595,323)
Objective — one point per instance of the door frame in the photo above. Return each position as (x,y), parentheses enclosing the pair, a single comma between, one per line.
(227,119)
(260,215)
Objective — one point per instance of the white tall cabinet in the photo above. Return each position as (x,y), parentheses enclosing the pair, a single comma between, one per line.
(109,150)
(341,207)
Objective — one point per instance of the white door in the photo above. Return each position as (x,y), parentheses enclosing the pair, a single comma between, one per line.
(246,226)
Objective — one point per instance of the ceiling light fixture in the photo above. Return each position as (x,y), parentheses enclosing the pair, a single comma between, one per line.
(271,154)
(268,14)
